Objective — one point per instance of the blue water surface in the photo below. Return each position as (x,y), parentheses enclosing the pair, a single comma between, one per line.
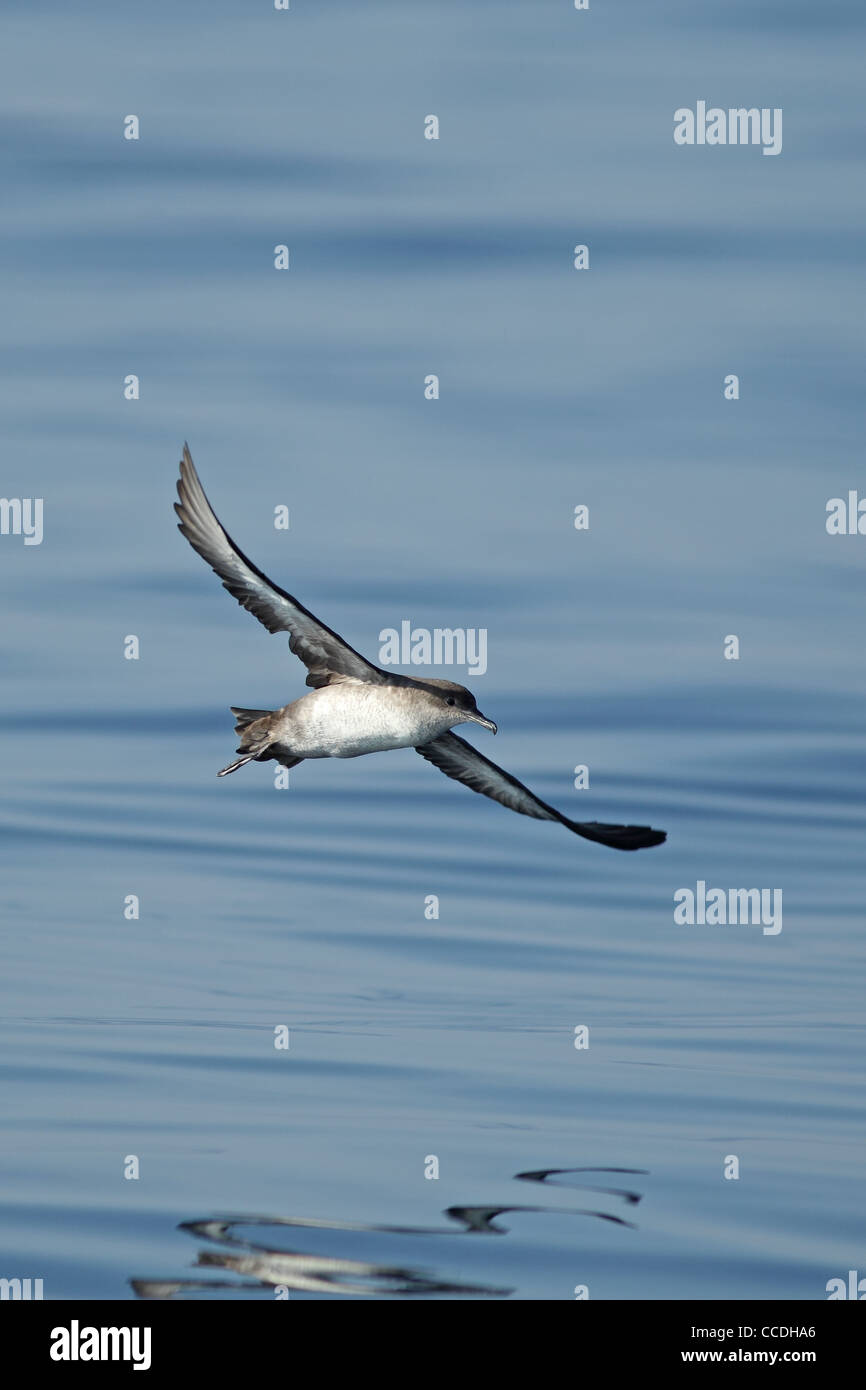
(432,1060)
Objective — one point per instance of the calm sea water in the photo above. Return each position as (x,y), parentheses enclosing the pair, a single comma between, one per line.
(415,1038)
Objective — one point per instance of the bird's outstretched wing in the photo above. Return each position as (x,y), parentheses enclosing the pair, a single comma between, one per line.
(458,759)
(327,657)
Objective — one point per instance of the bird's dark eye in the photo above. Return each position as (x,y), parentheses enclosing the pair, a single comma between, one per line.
(450,700)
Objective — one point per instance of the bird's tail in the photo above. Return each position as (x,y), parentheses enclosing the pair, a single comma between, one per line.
(248,716)
(233,767)
(254,742)
(618,836)
(257,743)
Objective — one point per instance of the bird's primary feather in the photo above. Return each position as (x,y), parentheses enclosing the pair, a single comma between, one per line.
(322,651)
(459,760)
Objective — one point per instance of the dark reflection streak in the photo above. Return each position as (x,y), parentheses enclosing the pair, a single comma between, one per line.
(269,1269)
(542,1174)
(480,1219)
(539,1174)
(220,1229)
(325,1274)
(275,1269)
(167,1288)
(622,1192)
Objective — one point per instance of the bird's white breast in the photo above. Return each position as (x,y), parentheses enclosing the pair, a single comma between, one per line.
(346,720)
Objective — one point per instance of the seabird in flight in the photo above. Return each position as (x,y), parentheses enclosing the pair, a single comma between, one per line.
(354,707)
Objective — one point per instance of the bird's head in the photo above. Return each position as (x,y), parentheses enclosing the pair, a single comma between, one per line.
(459,702)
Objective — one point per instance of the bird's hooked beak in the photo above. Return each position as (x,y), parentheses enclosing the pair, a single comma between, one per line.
(478,718)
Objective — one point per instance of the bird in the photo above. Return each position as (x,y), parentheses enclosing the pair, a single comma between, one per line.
(354,707)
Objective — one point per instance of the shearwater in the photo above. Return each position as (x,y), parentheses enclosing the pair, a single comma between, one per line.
(355,707)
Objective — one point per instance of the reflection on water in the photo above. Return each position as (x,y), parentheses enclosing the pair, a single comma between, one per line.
(266,1268)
